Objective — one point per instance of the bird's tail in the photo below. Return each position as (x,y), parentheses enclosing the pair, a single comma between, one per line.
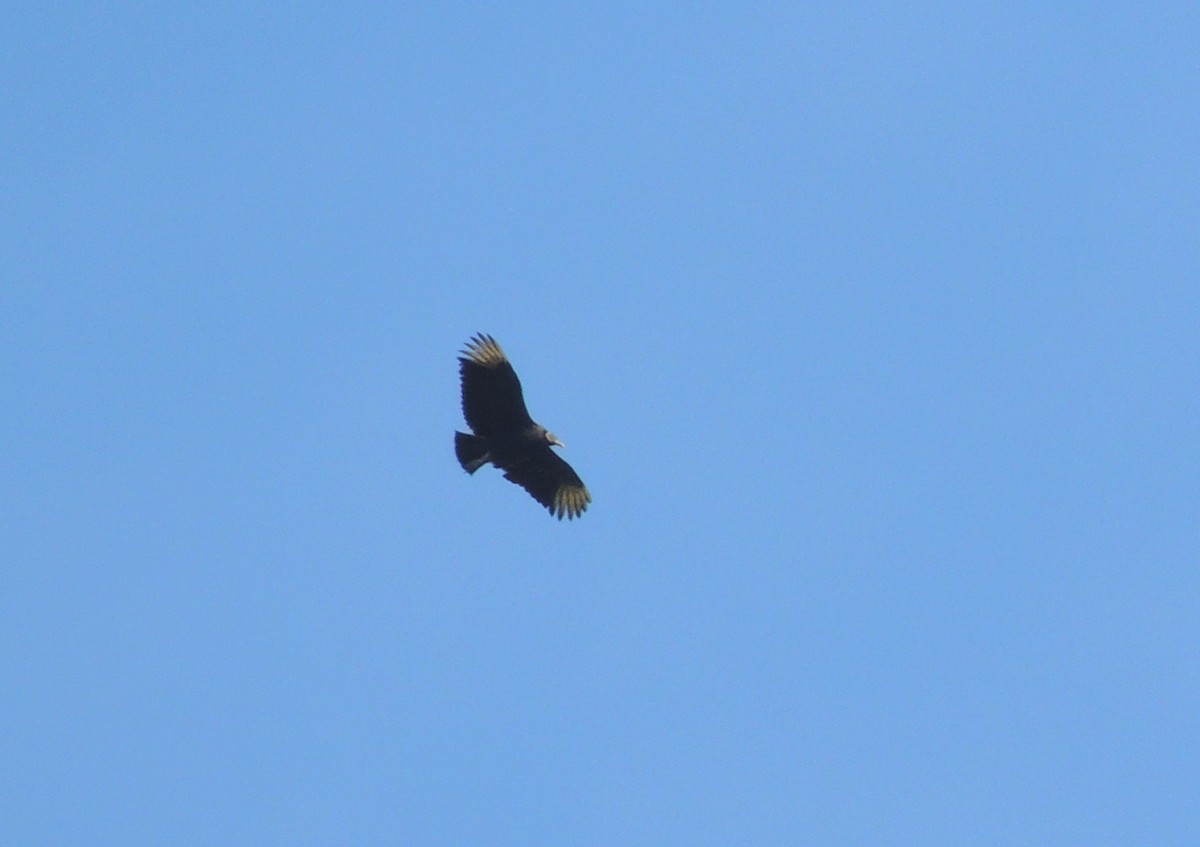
(471,450)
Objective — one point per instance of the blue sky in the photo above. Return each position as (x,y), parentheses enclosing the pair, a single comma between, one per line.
(872,330)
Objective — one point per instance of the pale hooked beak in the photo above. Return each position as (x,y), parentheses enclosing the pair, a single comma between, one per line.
(556,443)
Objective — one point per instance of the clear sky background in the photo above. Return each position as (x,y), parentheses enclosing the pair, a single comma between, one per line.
(873,330)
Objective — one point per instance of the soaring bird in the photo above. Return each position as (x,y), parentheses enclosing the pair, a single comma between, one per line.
(506,436)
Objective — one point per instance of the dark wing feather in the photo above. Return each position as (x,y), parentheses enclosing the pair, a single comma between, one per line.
(552,482)
(492,401)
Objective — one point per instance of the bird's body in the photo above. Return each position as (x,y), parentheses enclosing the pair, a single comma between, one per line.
(507,437)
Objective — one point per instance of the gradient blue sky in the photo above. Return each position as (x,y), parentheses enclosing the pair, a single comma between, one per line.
(872,328)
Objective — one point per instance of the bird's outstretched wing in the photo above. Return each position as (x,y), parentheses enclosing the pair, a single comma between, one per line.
(552,482)
(492,401)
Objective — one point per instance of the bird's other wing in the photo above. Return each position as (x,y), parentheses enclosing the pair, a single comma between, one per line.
(491,393)
(552,482)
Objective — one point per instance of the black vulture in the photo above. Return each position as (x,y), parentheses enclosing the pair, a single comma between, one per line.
(507,436)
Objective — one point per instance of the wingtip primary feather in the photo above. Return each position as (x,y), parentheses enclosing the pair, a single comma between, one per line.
(483,350)
(570,501)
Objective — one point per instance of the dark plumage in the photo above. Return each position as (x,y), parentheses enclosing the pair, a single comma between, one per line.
(507,436)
